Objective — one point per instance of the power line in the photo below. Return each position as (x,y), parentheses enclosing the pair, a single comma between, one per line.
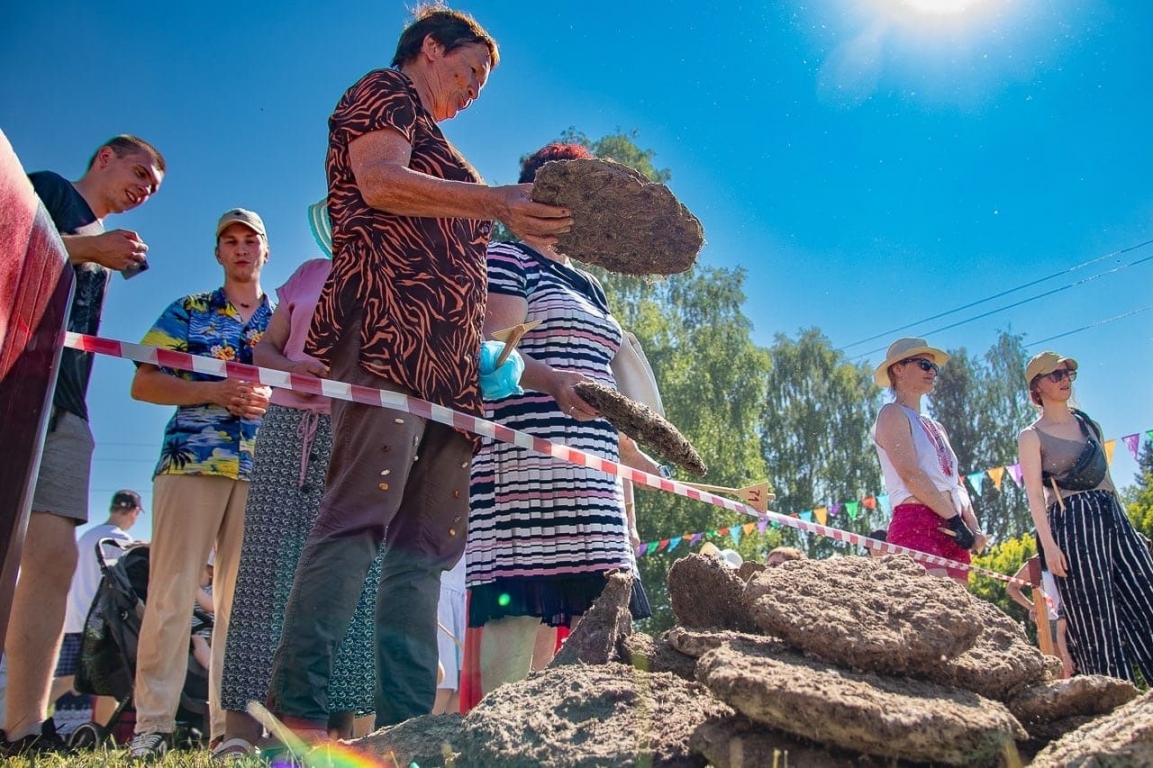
(1092,325)
(1028,300)
(972,304)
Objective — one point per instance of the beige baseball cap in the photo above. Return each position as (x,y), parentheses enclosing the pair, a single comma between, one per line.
(1046,362)
(241,216)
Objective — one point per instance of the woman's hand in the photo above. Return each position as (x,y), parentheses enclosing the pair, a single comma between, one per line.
(562,388)
(1055,559)
(308,368)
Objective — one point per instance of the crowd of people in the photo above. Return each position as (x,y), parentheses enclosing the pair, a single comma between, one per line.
(345,537)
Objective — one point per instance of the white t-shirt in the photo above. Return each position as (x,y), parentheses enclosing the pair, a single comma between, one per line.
(86,580)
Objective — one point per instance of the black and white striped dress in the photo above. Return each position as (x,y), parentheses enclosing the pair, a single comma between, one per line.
(542,533)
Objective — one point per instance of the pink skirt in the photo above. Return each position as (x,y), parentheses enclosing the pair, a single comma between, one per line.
(915,526)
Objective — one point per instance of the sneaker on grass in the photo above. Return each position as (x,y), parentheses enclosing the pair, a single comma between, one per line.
(149,746)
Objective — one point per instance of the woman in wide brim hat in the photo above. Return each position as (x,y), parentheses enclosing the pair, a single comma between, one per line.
(1103,570)
(932,511)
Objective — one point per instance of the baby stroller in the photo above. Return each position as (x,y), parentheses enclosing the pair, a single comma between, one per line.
(108,651)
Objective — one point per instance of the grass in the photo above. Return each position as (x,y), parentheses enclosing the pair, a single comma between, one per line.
(118,758)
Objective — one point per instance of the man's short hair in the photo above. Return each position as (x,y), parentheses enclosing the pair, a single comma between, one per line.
(125,501)
(451,29)
(126,144)
(555,151)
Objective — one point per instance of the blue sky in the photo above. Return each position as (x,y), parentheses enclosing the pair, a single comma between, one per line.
(868,163)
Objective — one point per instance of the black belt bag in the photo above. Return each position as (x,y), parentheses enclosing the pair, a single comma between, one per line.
(1089,469)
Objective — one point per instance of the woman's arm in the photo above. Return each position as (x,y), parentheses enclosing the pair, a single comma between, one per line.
(1029,454)
(505,311)
(380,162)
(895,435)
(269,351)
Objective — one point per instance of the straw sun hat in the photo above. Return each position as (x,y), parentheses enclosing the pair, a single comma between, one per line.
(904,348)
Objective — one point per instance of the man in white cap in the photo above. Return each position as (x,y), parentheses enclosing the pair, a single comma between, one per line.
(201,482)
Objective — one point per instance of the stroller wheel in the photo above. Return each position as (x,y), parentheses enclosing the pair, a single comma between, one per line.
(88,736)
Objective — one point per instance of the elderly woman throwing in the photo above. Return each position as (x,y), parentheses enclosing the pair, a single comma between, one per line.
(931,509)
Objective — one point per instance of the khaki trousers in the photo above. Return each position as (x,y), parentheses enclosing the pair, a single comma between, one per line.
(190,513)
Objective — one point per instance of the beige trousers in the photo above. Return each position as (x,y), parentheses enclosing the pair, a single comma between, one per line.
(190,513)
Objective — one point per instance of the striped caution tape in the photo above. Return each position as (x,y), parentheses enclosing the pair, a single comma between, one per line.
(396,401)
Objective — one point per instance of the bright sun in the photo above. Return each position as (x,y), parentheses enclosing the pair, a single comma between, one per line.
(941,7)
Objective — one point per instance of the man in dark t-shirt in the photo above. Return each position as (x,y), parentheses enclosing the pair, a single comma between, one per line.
(122,174)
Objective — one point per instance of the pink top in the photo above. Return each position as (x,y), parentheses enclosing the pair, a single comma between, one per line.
(298,298)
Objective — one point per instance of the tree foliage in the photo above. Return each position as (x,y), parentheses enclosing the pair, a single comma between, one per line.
(815,428)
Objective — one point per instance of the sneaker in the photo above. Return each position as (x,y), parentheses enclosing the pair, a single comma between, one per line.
(43,743)
(149,746)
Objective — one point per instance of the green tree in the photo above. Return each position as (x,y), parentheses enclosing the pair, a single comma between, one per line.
(1005,557)
(815,428)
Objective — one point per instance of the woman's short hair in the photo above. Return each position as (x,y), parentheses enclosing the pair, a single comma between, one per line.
(451,29)
(554,151)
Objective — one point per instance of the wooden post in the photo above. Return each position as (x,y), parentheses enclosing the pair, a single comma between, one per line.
(1044,632)
(35,298)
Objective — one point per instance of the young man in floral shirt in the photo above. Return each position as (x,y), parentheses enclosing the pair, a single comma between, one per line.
(201,482)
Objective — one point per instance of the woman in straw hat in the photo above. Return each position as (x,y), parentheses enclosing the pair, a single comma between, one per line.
(1104,572)
(932,512)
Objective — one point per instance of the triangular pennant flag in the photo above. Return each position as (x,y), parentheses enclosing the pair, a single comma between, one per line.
(822,514)
(674,542)
(998,474)
(977,479)
(721,531)
(1110,446)
(652,547)
(1149,433)
(642,549)
(870,502)
(762,524)
(696,537)
(883,503)
(834,509)
(1133,443)
(711,533)
(749,528)
(1015,473)
(853,508)
(663,543)
(735,533)
(807,516)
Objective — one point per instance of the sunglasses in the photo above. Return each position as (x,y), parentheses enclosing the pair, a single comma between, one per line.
(1060,375)
(923,364)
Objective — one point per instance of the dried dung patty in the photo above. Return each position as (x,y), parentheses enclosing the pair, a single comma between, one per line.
(644,425)
(884,614)
(621,220)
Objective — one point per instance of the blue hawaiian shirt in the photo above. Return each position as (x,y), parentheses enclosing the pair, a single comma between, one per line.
(207,439)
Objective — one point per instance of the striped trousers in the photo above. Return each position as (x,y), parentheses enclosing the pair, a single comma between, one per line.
(1107,597)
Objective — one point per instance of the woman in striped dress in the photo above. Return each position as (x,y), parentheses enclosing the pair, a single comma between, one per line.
(1104,571)
(543,533)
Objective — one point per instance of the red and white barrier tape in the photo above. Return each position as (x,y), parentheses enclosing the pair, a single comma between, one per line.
(210,366)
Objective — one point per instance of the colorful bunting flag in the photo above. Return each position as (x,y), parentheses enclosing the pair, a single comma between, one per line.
(1110,446)
(853,509)
(1133,443)
(749,528)
(834,509)
(695,538)
(1015,473)
(998,474)
(663,543)
(807,516)
(977,479)
(652,547)
(870,502)
(883,503)
(674,542)
(762,524)
(735,534)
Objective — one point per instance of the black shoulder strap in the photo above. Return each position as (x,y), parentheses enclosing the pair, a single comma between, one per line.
(1086,422)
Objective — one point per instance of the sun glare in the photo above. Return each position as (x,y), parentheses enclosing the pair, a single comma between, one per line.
(940,7)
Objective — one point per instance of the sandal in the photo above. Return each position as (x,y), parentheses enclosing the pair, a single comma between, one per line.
(233,749)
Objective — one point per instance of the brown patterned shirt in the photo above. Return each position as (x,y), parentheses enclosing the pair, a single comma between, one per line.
(418,283)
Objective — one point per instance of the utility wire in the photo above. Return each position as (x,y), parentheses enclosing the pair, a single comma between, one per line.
(972,304)
(1092,325)
(1026,301)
